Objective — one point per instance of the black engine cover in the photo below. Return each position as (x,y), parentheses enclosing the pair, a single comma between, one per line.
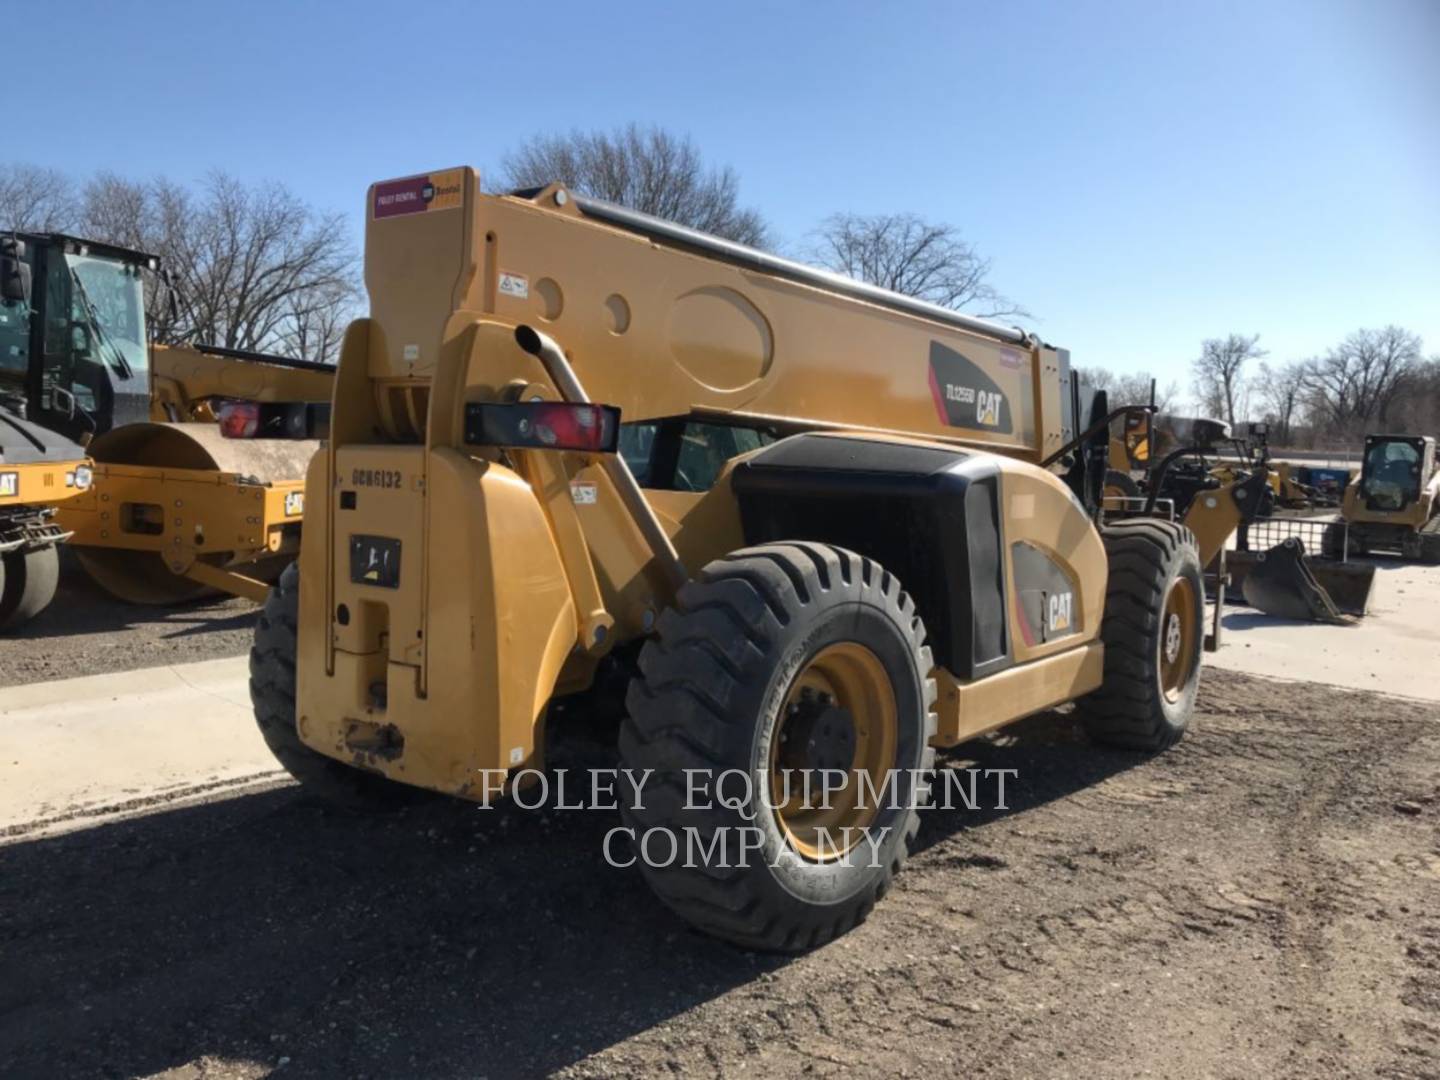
(931,516)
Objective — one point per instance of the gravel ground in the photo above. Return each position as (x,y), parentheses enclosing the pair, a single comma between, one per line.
(1263,900)
(87,631)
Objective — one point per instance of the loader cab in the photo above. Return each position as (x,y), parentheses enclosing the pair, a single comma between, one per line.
(1395,470)
(76,350)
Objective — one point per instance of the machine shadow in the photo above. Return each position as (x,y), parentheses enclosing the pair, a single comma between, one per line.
(1042,758)
(442,940)
(82,607)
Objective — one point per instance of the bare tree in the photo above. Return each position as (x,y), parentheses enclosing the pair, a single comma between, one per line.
(1127,389)
(646,169)
(1417,410)
(1220,380)
(36,199)
(316,322)
(1356,384)
(1282,394)
(253,268)
(906,254)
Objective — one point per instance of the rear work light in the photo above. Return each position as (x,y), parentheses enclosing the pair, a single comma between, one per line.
(239,419)
(274,420)
(543,425)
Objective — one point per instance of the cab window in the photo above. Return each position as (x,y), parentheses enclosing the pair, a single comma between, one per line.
(637,446)
(679,454)
(705,448)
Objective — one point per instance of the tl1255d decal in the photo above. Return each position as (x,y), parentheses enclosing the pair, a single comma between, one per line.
(964,395)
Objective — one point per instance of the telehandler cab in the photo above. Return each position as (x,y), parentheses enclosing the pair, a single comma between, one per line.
(819,526)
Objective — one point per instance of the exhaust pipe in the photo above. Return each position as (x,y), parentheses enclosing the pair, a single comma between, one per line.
(563,375)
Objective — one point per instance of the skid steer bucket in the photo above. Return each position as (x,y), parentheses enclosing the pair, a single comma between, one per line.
(1280,583)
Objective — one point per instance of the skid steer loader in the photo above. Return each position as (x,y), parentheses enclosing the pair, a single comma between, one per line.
(1393,503)
(822,528)
(175,510)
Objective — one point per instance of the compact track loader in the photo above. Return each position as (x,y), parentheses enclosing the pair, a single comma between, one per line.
(176,510)
(1393,503)
(822,529)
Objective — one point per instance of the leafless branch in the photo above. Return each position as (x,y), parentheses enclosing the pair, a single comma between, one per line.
(646,169)
(909,255)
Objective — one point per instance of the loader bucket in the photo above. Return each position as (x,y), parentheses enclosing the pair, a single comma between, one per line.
(1280,583)
(168,496)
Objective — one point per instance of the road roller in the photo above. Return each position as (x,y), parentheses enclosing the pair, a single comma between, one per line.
(175,511)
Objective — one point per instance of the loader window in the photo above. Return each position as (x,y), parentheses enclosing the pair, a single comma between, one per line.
(109,298)
(1391,475)
(14,336)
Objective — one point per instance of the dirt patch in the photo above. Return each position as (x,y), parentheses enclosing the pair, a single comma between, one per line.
(87,631)
(1254,902)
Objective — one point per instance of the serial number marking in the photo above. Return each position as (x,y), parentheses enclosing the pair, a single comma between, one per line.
(381,478)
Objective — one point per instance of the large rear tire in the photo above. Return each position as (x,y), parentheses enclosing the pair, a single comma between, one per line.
(1430,541)
(27,584)
(272,692)
(1153,631)
(777,662)
(1120,485)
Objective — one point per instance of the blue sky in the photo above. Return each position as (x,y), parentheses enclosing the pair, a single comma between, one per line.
(1142,174)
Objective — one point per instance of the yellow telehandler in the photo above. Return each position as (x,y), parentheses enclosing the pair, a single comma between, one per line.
(821,528)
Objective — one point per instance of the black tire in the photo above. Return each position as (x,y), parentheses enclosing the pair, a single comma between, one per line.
(1430,541)
(1332,541)
(28,584)
(272,692)
(1132,708)
(709,697)
(1121,482)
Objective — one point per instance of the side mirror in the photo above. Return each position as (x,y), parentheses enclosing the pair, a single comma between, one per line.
(14,273)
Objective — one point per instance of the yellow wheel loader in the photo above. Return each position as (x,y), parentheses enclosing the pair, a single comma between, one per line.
(1129,456)
(175,511)
(1393,503)
(822,528)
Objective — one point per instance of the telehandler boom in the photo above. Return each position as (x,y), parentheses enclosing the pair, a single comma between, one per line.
(822,528)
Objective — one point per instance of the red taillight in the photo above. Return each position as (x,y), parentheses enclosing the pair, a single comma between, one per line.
(239,419)
(543,425)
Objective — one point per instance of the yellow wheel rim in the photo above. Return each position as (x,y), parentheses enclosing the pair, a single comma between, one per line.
(1177,638)
(839,713)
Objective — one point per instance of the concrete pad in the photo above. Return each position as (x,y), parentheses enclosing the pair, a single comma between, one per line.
(1392,650)
(76,749)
